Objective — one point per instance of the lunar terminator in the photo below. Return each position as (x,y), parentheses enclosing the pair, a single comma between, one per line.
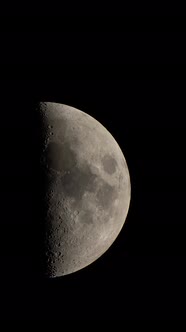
(87,188)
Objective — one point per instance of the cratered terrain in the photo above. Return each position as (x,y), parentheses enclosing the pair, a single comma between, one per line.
(87,192)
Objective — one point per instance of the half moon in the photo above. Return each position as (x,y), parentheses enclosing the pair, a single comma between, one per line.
(87,191)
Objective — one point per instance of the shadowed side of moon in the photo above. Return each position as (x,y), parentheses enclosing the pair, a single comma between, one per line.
(87,188)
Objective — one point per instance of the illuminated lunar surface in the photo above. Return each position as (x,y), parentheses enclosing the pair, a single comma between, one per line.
(87,188)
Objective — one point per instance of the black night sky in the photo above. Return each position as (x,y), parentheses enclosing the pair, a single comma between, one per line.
(127,77)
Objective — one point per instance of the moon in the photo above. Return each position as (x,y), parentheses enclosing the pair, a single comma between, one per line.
(88,188)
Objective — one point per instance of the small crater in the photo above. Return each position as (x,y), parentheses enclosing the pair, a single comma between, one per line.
(60,255)
(50,126)
(76,213)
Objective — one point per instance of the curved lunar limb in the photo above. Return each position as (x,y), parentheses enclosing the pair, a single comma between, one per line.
(87,188)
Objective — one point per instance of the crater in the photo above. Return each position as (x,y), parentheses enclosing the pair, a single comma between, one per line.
(109,164)
(60,126)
